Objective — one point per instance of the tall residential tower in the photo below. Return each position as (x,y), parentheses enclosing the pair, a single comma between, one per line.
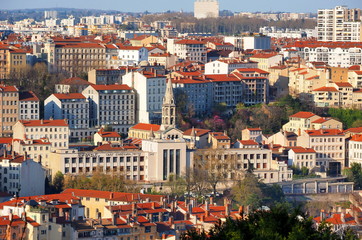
(206,8)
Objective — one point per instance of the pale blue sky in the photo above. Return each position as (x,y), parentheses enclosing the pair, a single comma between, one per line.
(186,5)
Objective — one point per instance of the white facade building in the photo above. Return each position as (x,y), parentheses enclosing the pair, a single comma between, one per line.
(74,107)
(28,106)
(226,66)
(111,105)
(56,131)
(188,49)
(130,55)
(21,176)
(150,89)
(339,24)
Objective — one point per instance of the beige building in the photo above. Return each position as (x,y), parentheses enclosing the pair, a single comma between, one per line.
(9,105)
(75,58)
(329,145)
(302,81)
(56,131)
(300,122)
(326,97)
(326,123)
(206,9)
(302,157)
(219,140)
(266,61)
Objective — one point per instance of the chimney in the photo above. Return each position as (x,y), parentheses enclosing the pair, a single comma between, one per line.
(114,219)
(207,213)
(41,121)
(170,220)
(111,195)
(299,132)
(241,211)
(322,215)
(153,205)
(211,201)
(227,207)
(343,217)
(207,207)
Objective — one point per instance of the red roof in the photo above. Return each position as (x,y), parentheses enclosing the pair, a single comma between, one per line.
(258,70)
(325,132)
(264,55)
(110,147)
(189,42)
(248,142)
(321,120)
(111,87)
(6,140)
(303,150)
(198,132)
(75,81)
(343,84)
(358,72)
(44,123)
(354,130)
(109,134)
(28,96)
(326,89)
(69,96)
(356,138)
(4,88)
(219,136)
(78,45)
(302,115)
(146,126)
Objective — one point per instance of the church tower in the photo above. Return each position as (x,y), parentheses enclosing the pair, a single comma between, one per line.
(168,108)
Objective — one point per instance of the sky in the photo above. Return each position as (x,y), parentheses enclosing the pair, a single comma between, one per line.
(185,5)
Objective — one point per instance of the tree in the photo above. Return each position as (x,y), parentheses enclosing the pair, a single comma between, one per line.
(177,185)
(354,174)
(216,164)
(280,223)
(58,182)
(247,191)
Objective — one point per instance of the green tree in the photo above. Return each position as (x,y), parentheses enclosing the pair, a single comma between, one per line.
(247,192)
(58,182)
(354,174)
(280,223)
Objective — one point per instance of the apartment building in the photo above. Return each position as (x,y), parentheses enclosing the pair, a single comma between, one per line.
(108,76)
(150,89)
(329,145)
(199,93)
(339,24)
(74,58)
(300,122)
(302,157)
(206,9)
(219,140)
(21,176)
(56,131)
(303,80)
(132,55)
(267,60)
(112,105)
(74,107)
(28,106)
(355,149)
(238,160)
(226,66)
(9,106)
(335,54)
(188,49)
(340,94)
(72,85)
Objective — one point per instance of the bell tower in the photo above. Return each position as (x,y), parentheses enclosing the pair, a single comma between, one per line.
(168,108)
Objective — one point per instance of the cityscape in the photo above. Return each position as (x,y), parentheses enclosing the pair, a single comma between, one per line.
(180,124)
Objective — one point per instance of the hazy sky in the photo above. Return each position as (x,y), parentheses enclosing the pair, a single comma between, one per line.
(185,5)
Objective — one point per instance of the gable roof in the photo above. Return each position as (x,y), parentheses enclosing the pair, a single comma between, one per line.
(146,126)
(302,115)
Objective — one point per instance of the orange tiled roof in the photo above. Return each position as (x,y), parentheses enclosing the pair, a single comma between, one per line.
(343,84)
(326,89)
(111,87)
(325,132)
(302,115)
(69,96)
(198,132)
(146,127)
(44,123)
